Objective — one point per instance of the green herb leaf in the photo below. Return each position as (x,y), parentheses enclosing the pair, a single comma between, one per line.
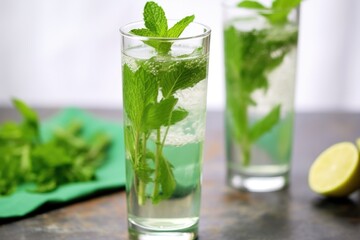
(162,47)
(29,114)
(144,32)
(281,10)
(251,5)
(157,26)
(11,131)
(159,114)
(176,30)
(144,172)
(30,126)
(177,116)
(285,4)
(141,90)
(265,124)
(134,96)
(184,74)
(155,19)
(10,173)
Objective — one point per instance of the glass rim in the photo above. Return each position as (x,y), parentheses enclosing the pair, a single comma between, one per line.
(229,4)
(124,33)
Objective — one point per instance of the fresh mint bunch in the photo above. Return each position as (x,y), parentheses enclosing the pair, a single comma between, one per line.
(278,12)
(156,25)
(26,158)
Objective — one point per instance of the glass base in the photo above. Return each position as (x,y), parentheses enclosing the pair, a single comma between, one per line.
(137,232)
(257,183)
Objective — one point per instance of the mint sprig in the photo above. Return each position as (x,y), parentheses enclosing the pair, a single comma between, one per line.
(156,25)
(249,59)
(278,12)
(150,103)
(148,115)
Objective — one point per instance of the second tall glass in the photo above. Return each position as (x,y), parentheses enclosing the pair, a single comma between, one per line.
(260,63)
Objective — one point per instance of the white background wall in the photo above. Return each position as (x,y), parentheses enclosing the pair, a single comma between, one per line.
(67,52)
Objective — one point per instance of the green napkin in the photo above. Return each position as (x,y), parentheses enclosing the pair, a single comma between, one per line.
(109,176)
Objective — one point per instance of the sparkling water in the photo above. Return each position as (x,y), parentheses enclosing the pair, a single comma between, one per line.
(183,147)
(181,211)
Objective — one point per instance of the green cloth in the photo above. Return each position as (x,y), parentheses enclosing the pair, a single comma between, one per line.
(109,176)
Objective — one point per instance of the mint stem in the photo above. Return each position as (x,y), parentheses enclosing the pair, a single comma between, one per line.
(245,141)
(140,187)
(141,193)
(136,163)
(157,162)
(142,184)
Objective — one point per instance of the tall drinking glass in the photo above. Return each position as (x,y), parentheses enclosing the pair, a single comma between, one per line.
(164,97)
(260,63)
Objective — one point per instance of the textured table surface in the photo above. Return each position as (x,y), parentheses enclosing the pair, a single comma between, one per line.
(226,214)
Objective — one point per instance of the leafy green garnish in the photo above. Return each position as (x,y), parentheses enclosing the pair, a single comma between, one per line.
(277,13)
(66,157)
(249,57)
(182,76)
(150,103)
(265,124)
(156,25)
(148,114)
(251,4)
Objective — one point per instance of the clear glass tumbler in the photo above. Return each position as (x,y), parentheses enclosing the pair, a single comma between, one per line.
(164,95)
(260,64)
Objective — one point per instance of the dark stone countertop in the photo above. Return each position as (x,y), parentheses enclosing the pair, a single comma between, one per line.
(226,214)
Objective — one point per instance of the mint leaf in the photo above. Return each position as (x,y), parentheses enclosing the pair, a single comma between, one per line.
(177,116)
(157,26)
(134,96)
(159,114)
(155,19)
(160,46)
(285,4)
(144,172)
(280,9)
(233,52)
(184,74)
(30,125)
(144,32)
(251,5)
(176,30)
(28,113)
(265,124)
(141,90)
(11,131)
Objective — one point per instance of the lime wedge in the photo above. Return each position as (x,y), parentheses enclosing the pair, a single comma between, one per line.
(336,171)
